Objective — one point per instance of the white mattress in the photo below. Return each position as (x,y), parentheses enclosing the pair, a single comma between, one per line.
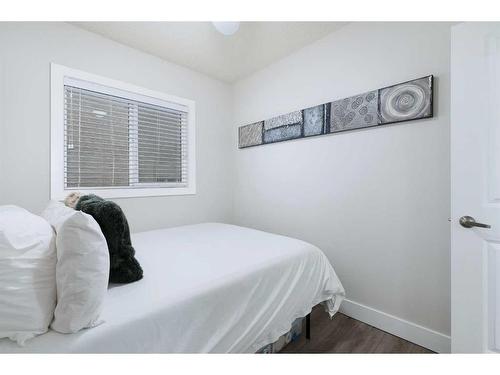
(206,288)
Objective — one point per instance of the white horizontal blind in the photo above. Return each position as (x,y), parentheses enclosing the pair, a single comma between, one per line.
(116,142)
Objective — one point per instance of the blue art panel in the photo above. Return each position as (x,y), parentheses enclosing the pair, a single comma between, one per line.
(314,120)
(283,133)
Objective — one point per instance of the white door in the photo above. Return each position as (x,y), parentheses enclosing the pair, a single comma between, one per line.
(475,187)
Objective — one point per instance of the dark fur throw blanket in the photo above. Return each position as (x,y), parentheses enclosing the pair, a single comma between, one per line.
(124,268)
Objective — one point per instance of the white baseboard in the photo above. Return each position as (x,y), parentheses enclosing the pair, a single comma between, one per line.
(415,333)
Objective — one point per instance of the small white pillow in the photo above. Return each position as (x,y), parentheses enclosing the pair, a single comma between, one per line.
(82,271)
(27,274)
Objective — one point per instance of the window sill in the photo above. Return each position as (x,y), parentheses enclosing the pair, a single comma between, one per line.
(126,193)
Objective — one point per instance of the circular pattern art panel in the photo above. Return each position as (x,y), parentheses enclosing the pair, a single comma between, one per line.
(406,101)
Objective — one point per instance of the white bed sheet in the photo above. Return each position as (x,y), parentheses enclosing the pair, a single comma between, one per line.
(207,288)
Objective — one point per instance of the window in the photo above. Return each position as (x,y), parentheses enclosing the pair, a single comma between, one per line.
(117,140)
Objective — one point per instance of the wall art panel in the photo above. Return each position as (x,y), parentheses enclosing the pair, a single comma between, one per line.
(356,112)
(405,101)
(283,133)
(250,135)
(291,118)
(314,120)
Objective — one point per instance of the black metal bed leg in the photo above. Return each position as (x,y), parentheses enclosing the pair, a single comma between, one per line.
(308,326)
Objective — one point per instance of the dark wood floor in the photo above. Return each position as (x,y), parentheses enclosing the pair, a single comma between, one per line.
(346,335)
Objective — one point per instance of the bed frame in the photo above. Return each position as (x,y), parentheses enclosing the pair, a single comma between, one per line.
(308,326)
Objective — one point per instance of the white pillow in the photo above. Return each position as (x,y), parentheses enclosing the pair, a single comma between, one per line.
(82,271)
(27,274)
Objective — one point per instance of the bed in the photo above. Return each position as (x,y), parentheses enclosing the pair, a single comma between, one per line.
(207,288)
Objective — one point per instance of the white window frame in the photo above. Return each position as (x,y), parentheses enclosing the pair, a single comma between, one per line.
(61,74)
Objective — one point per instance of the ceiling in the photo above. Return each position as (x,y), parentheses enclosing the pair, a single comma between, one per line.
(197,45)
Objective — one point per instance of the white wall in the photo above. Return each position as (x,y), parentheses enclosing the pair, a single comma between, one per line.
(376,201)
(26,51)
(1,129)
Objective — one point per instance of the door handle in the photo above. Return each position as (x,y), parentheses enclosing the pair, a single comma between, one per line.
(469,222)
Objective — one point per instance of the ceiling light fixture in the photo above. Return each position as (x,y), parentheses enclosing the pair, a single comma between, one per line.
(226,28)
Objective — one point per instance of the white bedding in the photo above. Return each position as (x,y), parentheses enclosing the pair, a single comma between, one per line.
(206,288)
